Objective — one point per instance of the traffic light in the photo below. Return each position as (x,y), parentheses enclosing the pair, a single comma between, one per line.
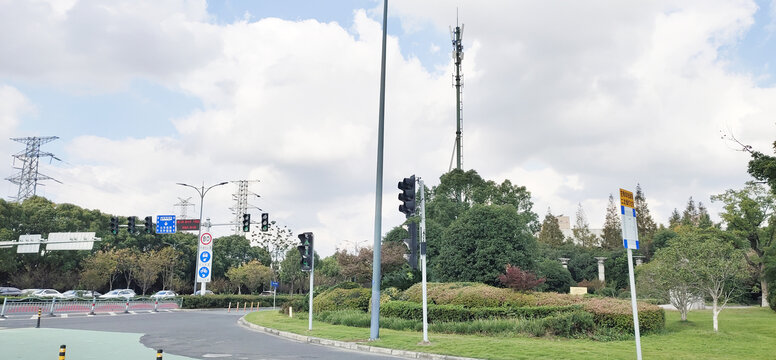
(114,225)
(264,222)
(131,224)
(306,251)
(246,222)
(407,195)
(412,245)
(149,225)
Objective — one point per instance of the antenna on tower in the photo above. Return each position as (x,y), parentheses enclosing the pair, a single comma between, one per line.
(28,175)
(184,204)
(456,36)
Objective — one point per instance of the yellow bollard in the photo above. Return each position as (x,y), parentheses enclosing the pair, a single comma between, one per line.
(159,354)
(62,352)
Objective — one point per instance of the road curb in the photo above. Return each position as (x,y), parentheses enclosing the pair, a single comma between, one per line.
(349,345)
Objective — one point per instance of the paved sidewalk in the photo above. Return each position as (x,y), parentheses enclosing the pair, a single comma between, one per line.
(43,343)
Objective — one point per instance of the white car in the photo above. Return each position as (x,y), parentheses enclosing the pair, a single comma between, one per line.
(163,294)
(119,293)
(80,294)
(47,293)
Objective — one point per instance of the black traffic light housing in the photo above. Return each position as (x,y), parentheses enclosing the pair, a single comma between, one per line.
(131,224)
(306,251)
(246,224)
(114,225)
(149,225)
(264,222)
(407,196)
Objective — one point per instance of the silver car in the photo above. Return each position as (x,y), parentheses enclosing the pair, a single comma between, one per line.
(119,294)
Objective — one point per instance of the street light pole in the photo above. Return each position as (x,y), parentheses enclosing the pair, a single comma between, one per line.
(202,192)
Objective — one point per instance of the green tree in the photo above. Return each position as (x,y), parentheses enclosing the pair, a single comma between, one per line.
(581,230)
(99,270)
(556,277)
(667,276)
(483,240)
(233,251)
(675,220)
(256,276)
(550,233)
(646,226)
(397,234)
(690,215)
(612,232)
(148,266)
(749,215)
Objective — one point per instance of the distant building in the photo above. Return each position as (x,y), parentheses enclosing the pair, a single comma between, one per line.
(564,222)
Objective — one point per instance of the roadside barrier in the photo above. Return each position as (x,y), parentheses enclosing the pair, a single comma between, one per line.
(38,325)
(93,306)
(62,352)
(229,309)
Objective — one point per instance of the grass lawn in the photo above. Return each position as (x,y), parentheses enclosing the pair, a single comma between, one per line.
(744,334)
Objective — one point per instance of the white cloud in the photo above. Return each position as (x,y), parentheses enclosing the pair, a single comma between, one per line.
(574,102)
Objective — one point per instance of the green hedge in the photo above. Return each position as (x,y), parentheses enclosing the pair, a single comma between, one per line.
(459,313)
(617,314)
(343,299)
(222,301)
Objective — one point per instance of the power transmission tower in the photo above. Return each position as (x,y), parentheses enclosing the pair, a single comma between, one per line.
(456,36)
(28,175)
(184,204)
(241,203)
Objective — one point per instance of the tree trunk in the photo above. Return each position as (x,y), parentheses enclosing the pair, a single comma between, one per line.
(715,314)
(684,313)
(764,287)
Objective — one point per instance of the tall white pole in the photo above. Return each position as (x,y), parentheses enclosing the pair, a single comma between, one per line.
(423,256)
(633,304)
(312,274)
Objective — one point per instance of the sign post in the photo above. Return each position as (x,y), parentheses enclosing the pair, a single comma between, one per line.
(204,260)
(630,240)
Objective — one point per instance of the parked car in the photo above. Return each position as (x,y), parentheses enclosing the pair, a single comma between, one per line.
(48,293)
(163,294)
(9,291)
(28,292)
(119,293)
(207,292)
(80,294)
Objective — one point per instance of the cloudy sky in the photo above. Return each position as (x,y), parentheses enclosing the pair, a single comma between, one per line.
(571,99)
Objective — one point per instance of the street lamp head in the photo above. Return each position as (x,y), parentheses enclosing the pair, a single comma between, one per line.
(223,183)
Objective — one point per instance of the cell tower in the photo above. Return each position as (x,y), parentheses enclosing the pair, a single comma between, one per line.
(28,175)
(456,36)
(241,203)
(184,204)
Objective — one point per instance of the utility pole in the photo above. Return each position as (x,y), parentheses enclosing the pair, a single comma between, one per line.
(28,175)
(184,204)
(374,328)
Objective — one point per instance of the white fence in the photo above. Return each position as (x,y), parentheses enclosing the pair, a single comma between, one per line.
(94,306)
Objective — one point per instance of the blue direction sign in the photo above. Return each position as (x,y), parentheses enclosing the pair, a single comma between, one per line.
(165,224)
(204,272)
(204,256)
(274,284)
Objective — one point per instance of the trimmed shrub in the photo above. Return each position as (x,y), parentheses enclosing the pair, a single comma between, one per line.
(458,313)
(222,301)
(469,295)
(573,324)
(343,299)
(480,327)
(299,303)
(617,314)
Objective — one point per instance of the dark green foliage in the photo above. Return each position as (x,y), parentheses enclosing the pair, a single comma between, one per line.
(583,266)
(661,239)
(572,324)
(297,302)
(556,277)
(617,269)
(458,313)
(222,301)
(343,299)
(401,279)
(484,239)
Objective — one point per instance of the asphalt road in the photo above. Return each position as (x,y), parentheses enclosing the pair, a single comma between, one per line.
(192,334)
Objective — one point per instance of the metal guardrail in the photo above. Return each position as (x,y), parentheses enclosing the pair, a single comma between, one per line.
(65,306)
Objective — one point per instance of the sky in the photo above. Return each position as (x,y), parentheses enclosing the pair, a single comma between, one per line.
(573,100)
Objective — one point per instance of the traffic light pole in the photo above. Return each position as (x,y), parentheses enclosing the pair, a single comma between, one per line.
(312,275)
(423,256)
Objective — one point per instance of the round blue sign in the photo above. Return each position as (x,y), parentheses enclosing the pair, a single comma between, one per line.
(204,256)
(204,272)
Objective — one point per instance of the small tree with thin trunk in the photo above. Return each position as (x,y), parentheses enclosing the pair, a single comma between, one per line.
(518,279)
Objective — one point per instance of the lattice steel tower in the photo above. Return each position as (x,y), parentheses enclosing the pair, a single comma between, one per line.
(28,175)
(184,204)
(241,203)
(456,36)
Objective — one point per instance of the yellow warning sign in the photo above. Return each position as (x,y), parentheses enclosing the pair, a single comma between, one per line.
(626,198)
